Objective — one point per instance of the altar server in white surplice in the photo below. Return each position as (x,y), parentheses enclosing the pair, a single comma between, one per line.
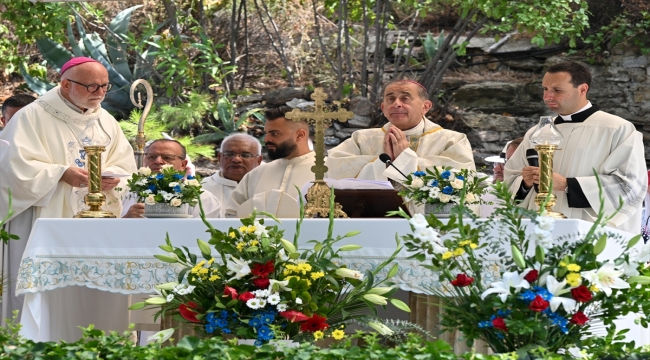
(239,154)
(161,152)
(271,187)
(412,142)
(44,161)
(593,139)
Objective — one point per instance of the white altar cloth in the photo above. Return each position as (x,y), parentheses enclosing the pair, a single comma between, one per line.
(108,259)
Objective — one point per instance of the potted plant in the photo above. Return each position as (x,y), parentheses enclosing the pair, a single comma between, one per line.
(168,192)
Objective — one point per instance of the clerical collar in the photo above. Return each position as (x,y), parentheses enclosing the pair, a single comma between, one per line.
(578,116)
(417,130)
(73,106)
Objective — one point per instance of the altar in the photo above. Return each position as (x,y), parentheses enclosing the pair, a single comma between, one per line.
(79,272)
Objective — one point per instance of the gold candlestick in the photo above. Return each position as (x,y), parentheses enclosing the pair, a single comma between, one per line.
(546,139)
(95,198)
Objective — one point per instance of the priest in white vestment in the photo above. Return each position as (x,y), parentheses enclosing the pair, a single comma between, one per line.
(238,155)
(161,152)
(593,139)
(43,162)
(412,142)
(271,187)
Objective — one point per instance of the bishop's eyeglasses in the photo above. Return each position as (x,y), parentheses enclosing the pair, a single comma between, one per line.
(92,88)
(230,155)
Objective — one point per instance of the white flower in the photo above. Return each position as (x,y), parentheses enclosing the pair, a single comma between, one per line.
(175,202)
(161,336)
(444,198)
(417,183)
(283,255)
(644,255)
(274,299)
(143,182)
(282,307)
(470,198)
(262,293)
(606,278)
(431,236)
(630,269)
(299,301)
(510,280)
(558,288)
(456,183)
(172,184)
(147,192)
(262,303)
(545,223)
(238,267)
(192,182)
(543,238)
(349,273)
(167,196)
(150,200)
(144,171)
(254,303)
(260,230)
(166,166)
(276,285)
(190,289)
(380,328)
(170,297)
(419,221)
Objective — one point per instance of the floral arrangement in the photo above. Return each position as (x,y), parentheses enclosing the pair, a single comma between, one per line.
(443,185)
(550,292)
(257,285)
(168,186)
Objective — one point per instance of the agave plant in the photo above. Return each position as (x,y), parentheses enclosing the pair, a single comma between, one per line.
(112,55)
(226,115)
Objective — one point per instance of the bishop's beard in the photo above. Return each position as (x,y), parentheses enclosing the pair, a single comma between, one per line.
(282,150)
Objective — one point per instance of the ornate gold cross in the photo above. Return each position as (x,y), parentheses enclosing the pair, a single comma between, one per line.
(319,194)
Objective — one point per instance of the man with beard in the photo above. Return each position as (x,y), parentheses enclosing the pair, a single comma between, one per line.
(272,187)
(239,154)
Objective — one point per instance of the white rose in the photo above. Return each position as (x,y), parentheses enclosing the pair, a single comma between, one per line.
(417,183)
(175,202)
(444,198)
(457,183)
(144,171)
(150,200)
(192,182)
(470,198)
(166,166)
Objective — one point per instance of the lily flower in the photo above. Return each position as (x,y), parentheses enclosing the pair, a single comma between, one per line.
(277,285)
(161,336)
(238,267)
(558,288)
(606,278)
(510,280)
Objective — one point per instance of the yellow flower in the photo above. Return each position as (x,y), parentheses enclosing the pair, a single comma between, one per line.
(465,242)
(317,275)
(232,234)
(338,334)
(573,267)
(254,243)
(447,255)
(573,279)
(473,246)
(214,277)
(240,245)
(210,261)
(459,251)
(562,264)
(242,229)
(250,229)
(318,335)
(203,271)
(594,288)
(304,268)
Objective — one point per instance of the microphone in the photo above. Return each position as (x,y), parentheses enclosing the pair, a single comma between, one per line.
(533,157)
(385,158)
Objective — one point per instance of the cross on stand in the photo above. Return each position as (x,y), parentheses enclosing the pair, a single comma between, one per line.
(318,195)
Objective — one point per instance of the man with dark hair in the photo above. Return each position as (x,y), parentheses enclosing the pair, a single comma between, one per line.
(12,105)
(593,139)
(161,152)
(412,142)
(272,187)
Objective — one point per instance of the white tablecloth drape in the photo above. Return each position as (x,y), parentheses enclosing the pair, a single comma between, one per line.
(76,272)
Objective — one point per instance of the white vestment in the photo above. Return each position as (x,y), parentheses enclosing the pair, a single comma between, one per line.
(431,145)
(211,205)
(220,187)
(606,143)
(271,187)
(42,144)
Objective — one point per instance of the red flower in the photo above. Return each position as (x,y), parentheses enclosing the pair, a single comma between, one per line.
(462,280)
(246,296)
(187,313)
(581,293)
(579,318)
(538,304)
(294,316)
(228,291)
(262,282)
(263,270)
(531,276)
(315,323)
(500,324)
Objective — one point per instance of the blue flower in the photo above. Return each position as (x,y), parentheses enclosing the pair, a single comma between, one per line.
(210,317)
(264,333)
(460,177)
(258,343)
(176,176)
(503,313)
(543,292)
(226,331)
(445,174)
(151,187)
(224,314)
(434,183)
(484,324)
(209,328)
(447,190)
(419,173)
(267,318)
(160,176)
(500,335)
(527,295)
(255,322)
(177,188)
(221,323)
(190,177)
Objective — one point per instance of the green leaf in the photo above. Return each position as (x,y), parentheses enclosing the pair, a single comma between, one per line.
(37,85)
(633,241)
(643,280)
(393,271)
(205,249)
(116,47)
(600,244)
(138,306)
(400,305)
(55,54)
(167,259)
